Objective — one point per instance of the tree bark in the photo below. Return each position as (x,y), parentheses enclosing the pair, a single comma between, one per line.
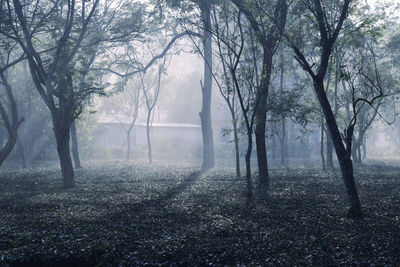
(74,146)
(248,163)
(322,148)
(261,118)
(63,149)
(205,114)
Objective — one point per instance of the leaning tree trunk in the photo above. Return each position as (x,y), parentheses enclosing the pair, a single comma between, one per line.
(74,146)
(11,121)
(205,114)
(344,158)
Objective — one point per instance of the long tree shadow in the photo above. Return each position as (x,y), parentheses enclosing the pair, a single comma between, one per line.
(169,194)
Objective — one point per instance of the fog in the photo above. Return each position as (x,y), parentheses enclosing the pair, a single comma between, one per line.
(199,133)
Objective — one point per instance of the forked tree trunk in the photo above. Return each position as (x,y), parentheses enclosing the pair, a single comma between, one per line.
(205,114)
(74,146)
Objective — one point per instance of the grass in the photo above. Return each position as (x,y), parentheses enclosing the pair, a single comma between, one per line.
(165,214)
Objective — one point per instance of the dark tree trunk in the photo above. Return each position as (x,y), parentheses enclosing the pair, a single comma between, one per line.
(248,163)
(67,171)
(205,114)
(74,146)
(11,121)
(261,118)
(344,157)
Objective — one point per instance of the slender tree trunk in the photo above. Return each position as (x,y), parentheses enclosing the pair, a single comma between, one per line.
(273,147)
(322,149)
(248,163)
(236,139)
(128,141)
(67,171)
(205,114)
(364,144)
(74,146)
(344,158)
(21,153)
(329,152)
(283,143)
(149,137)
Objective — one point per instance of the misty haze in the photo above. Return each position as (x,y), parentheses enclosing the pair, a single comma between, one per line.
(199,133)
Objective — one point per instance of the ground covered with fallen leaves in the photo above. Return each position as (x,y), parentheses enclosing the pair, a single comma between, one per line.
(137,214)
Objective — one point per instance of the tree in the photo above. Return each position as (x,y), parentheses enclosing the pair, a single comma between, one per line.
(67,29)
(151,91)
(268,32)
(328,34)
(8,110)
(223,33)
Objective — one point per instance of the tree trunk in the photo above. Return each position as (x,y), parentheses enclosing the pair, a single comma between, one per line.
(344,158)
(237,152)
(248,163)
(260,119)
(67,171)
(205,114)
(74,146)
(21,153)
(322,148)
(283,143)
(128,141)
(364,144)
(149,137)
(329,152)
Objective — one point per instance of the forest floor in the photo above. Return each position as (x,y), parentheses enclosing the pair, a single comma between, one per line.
(164,214)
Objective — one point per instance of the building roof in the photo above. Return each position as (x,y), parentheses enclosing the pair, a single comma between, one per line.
(109,119)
